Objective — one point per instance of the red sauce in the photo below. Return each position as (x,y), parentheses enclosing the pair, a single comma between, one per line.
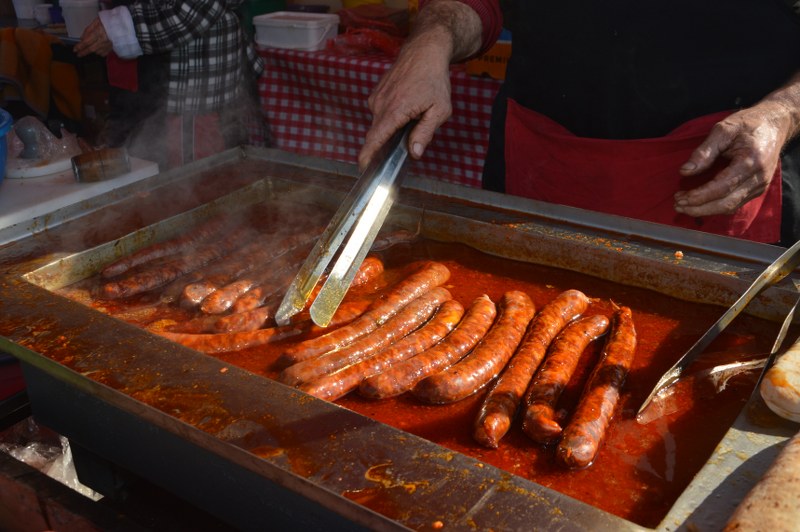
(641,469)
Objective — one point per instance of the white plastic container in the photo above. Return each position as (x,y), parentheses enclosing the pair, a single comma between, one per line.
(296,30)
(23,9)
(78,14)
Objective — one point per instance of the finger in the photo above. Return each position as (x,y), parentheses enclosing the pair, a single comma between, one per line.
(726,205)
(704,155)
(724,194)
(380,132)
(723,184)
(422,134)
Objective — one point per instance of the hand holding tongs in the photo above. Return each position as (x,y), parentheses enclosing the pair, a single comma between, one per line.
(783,266)
(363,210)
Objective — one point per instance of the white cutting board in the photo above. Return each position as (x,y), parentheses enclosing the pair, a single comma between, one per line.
(23,168)
(23,200)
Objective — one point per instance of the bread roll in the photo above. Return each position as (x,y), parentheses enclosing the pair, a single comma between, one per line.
(780,387)
(773,505)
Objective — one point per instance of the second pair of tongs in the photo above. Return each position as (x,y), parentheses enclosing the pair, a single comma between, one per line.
(359,218)
(780,268)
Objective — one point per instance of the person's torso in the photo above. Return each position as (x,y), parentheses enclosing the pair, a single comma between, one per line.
(637,69)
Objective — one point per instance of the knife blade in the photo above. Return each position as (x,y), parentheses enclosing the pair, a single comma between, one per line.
(780,268)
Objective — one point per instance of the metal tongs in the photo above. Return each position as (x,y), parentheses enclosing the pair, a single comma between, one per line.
(360,216)
(780,268)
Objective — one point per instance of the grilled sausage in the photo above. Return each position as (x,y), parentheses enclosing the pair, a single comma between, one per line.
(403,376)
(501,403)
(406,320)
(539,421)
(282,264)
(254,298)
(172,291)
(194,293)
(433,274)
(173,246)
(243,321)
(223,298)
(215,277)
(586,429)
(169,270)
(486,360)
(224,342)
(371,268)
(338,384)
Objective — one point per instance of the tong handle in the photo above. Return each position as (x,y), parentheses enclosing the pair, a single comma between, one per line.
(375,184)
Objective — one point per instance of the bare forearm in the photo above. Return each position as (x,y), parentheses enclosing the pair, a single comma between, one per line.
(783,107)
(451,24)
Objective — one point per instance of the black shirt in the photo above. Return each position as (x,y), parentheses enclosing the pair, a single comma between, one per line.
(627,69)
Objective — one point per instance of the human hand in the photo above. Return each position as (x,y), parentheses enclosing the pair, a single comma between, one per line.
(417,86)
(94,40)
(751,140)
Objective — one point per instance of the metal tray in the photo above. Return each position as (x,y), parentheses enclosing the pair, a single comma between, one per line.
(289,460)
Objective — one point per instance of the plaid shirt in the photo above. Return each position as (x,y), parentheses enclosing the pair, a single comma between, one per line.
(211,56)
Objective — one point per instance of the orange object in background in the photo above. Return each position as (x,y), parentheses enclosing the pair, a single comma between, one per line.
(492,63)
(355,3)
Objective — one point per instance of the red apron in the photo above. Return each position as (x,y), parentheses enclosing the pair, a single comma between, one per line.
(632,178)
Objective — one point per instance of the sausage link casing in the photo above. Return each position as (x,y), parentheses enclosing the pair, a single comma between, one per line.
(502,402)
(336,385)
(587,427)
(433,274)
(171,247)
(409,318)
(539,422)
(487,359)
(403,376)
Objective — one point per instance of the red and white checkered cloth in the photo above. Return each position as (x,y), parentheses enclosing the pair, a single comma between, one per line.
(316,104)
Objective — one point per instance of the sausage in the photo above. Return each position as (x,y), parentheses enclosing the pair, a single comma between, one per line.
(586,430)
(170,247)
(371,268)
(194,293)
(169,270)
(254,298)
(224,297)
(272,274)
(244,321)
(406,320)
(539,421)
(772,504)
(403,376)
(172,291)
(224,342)
(486,360)
(245,260)
(433,274)
(338,384)
(501,403)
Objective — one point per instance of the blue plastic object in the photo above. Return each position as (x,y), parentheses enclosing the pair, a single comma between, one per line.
(6,121)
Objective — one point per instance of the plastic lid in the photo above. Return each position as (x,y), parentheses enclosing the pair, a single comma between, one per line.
(6,121)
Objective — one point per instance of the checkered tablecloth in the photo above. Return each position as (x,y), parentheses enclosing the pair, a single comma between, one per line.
(316,104)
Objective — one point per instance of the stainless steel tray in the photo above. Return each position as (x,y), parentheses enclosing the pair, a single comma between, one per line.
(239,479)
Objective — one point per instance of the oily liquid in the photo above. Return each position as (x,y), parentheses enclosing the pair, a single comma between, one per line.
(641,469)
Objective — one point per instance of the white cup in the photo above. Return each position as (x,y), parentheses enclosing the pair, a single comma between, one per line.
(78,14)
(41,12)
(24,8)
